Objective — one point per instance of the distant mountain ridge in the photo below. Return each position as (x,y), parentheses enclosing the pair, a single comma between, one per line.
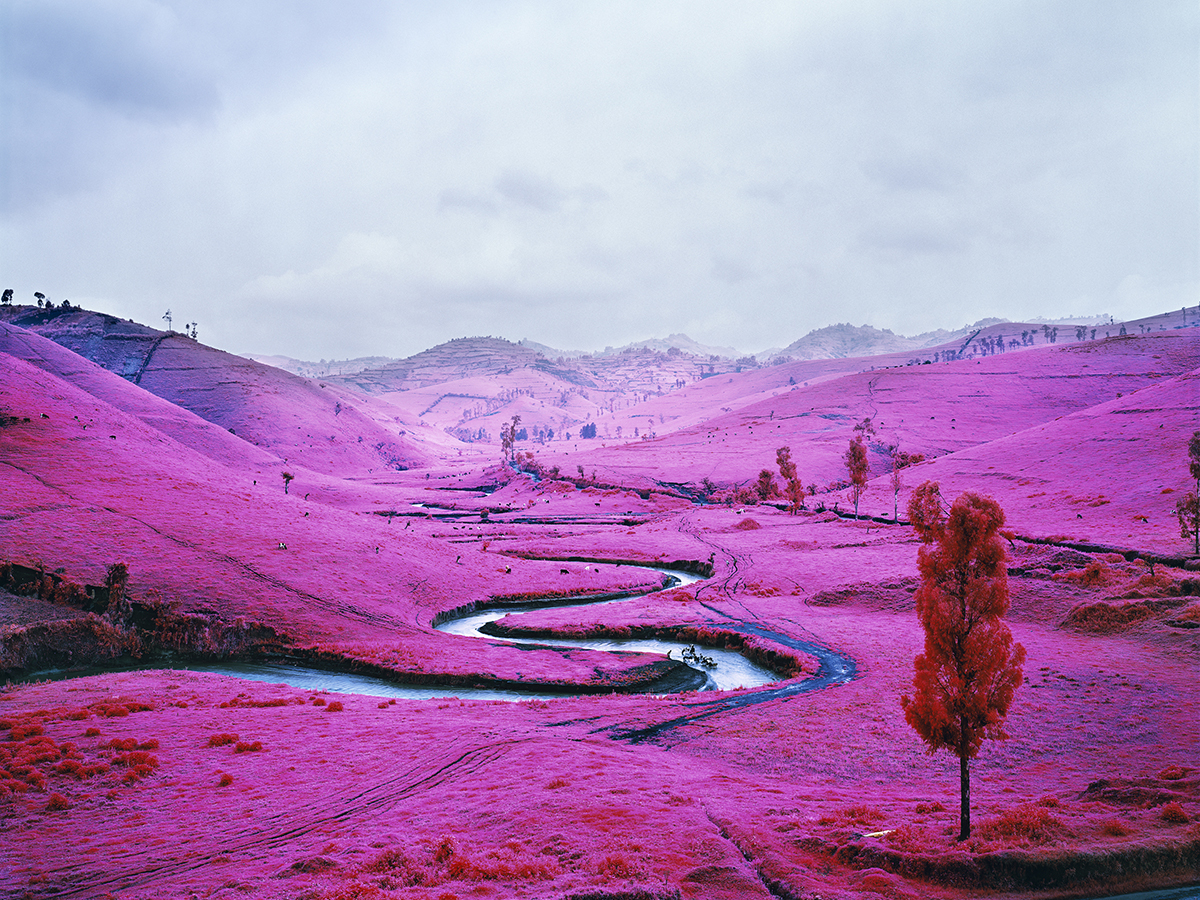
(846,341)
(840,341)
(676,341)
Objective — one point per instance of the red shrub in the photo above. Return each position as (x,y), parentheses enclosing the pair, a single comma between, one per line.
(1029,823)
(335,706)
(1115,828)
(1173,773)
(57,802)
(1093,574)
(226,779)
(248,746)
(119,709)
(1173,813)
(135,759)
(220,740)
(21,732)
(445,850)
(122,744)
(93,731)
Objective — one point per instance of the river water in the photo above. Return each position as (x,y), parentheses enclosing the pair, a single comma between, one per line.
(732,669)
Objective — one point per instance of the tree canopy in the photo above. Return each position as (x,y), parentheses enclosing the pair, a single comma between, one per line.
(965,679)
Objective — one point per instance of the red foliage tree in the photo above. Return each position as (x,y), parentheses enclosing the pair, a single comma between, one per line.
(792,487)
(765,486)
(965,680)
(857,466)
(1187,509)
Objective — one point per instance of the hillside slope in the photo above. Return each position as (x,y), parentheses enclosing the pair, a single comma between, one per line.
(84,484)
(947,411)
(301,422)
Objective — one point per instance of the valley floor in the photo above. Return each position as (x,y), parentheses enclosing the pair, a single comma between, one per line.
(176,784)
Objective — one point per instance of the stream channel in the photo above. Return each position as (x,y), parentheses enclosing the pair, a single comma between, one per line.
(732,669)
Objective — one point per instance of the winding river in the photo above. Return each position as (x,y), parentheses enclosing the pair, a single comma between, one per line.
(732,671)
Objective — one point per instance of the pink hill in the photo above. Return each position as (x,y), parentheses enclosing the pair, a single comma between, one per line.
(173,783)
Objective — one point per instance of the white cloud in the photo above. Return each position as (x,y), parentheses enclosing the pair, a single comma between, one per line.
(321,184)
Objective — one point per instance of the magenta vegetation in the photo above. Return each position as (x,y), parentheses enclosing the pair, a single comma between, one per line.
(1043,628)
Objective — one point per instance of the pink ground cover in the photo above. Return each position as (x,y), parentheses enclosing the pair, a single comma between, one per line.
(168,784)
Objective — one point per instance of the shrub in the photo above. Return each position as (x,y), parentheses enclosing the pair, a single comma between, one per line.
(220,740)
(1107,618)
(225,780)
(70,767)
(248,747)
(57,802)
(445,850)
(1093,574)
(1115,828)
(136,759)
(1025,822)
(335,706)
(93,731)
(1173,813)
(1173,773)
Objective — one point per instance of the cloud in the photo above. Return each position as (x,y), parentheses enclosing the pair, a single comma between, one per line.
(583,175)
(527,189)
(133,58)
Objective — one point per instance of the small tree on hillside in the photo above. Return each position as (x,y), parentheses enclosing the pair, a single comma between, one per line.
(39,297)
(865,427)
(793,489)
(1187,509)
(965,680)
(765,486)
(900,461)
(115,580)
(6,297)
(858,467)
(287,480)
(508,437)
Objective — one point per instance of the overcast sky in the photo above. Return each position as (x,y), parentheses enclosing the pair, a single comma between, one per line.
(326,180)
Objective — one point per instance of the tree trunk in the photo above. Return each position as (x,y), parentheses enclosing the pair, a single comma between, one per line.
(964,781)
